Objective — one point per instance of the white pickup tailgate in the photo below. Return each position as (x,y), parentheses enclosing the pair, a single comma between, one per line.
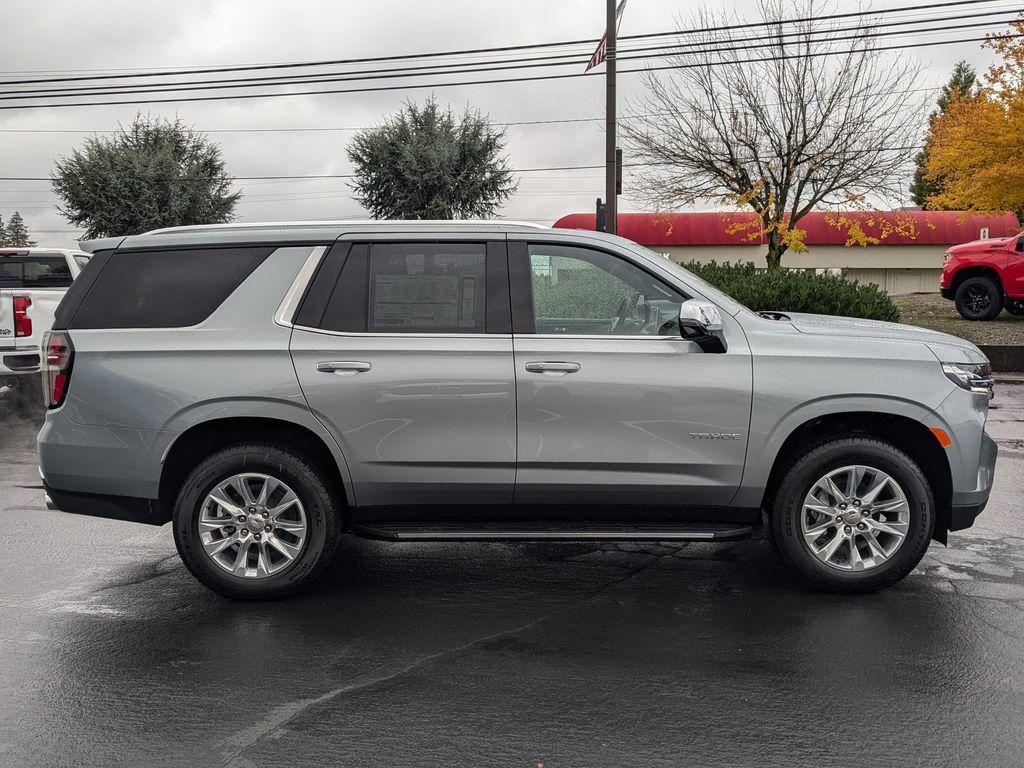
(6,320)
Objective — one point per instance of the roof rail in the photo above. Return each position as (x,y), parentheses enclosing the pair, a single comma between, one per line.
(341,222)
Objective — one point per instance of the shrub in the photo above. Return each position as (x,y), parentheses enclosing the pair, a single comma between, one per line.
(787,290)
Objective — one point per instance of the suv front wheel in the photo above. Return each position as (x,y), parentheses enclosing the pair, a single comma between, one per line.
(255,521)
(853,515)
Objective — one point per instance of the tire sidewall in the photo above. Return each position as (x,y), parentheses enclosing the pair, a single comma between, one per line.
(281,465)
(832,456)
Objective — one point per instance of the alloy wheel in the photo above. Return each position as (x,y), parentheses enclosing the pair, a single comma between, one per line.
(252,525)
(855,518)
(977,300)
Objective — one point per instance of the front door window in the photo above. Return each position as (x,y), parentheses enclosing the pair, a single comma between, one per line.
(578,291)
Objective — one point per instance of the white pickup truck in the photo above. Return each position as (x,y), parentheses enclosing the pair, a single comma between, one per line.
(32,283)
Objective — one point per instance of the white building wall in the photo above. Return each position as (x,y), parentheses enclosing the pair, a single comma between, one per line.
(894,268)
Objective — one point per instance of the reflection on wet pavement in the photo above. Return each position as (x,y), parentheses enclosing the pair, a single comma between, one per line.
(491,654)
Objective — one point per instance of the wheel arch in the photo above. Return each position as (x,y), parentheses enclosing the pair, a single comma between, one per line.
(976,270)
(910,435)
(208,436)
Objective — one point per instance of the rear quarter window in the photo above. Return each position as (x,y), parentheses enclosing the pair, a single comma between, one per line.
(34,271)
(164,289)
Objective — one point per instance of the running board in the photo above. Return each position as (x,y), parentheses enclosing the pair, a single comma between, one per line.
(514,531)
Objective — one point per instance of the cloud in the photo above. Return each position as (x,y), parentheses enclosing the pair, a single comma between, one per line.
(118,34)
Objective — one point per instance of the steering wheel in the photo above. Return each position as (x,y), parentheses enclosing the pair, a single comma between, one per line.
(632,316)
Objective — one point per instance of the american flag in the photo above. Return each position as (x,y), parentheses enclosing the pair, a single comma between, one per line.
(599,54)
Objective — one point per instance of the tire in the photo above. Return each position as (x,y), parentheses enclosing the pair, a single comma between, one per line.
(316,515)
(788,516)
(979,298)
(1015,307)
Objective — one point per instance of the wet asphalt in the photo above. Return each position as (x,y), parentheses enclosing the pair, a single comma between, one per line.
(504,654)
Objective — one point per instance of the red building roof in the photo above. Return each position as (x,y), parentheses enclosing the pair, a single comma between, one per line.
(727,228)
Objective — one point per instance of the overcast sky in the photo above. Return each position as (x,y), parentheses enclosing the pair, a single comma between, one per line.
(48,35)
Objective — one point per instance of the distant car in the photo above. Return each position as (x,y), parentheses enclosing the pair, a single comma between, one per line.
(268,387)
(32,283)
(984,277)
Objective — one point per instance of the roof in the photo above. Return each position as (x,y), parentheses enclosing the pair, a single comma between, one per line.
(284,232)
(823,228)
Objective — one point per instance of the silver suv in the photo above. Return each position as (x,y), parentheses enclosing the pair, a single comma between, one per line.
(268,387)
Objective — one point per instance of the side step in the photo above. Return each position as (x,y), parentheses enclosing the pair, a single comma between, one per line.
(532,531)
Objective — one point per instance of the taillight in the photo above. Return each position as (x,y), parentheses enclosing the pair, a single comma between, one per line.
(60,354)
(22,322)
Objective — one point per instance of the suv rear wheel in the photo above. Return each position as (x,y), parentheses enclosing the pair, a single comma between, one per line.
(853,515)
(979,298)
(256,521)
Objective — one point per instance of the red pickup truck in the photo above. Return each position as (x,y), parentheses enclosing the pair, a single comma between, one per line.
(985,276)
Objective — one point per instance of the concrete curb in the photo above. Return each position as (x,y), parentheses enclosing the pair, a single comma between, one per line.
(1006,358)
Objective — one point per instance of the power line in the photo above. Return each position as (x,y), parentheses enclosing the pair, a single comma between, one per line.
(535,78)
(495,49)
(352,175)
(666,51)
(490,66)
(330,175)
(322,129)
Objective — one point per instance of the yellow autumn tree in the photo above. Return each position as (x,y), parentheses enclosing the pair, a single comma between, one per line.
(977,145)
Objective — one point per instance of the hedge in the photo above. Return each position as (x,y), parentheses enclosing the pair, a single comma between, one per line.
(787,290)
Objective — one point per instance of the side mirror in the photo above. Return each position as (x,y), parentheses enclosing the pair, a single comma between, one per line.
(700,316)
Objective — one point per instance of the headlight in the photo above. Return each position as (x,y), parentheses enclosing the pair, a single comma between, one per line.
(974,377)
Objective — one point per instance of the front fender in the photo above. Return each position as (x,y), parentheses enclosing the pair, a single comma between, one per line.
(767,436)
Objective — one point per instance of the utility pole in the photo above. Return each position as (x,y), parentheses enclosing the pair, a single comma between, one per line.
(610,172)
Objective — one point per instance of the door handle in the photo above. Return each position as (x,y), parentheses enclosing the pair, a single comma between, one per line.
(557,368)
(344,368)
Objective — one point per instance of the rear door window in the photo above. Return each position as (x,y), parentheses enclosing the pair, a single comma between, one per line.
(164,289)
(411,288)
(429,288)
(34,271)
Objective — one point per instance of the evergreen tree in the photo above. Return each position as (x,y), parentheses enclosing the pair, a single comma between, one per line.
(962,84)
(154,173)
(16,233)
(3,233)
(426,163)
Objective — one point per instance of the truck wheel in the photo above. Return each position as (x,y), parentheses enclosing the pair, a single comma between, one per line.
(1015,307)
(853,515)
(979,298)
(253,522)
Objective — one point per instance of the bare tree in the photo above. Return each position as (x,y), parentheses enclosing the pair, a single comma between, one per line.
(778,119)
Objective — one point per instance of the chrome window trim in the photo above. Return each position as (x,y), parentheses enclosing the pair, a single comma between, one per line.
(290,303)
(356,334)
(545,336)
(606,337)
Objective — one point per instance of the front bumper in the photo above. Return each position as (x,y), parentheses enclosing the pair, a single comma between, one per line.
(967,505)
(963,517)
(946,292)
